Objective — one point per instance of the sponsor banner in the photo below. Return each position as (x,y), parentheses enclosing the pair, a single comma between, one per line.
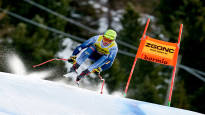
(158,51)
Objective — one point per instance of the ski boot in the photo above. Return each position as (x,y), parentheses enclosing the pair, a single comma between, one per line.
(79,77)
(72,70)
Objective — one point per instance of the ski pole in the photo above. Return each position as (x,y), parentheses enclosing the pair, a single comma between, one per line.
(48,61)
(100,77)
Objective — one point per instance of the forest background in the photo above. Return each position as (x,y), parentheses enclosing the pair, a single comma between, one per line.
(150,81)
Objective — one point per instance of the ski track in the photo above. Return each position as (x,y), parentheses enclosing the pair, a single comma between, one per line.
(26,96)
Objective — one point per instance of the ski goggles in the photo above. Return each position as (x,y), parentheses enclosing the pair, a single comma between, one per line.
(107,39)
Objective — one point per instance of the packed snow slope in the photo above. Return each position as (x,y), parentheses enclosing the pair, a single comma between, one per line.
(26,96)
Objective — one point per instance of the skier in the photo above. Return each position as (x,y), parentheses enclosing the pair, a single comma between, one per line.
(102,49)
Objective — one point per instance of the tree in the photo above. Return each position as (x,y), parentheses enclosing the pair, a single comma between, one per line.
(191,14)
(130,33)
(32,43)
(146,84)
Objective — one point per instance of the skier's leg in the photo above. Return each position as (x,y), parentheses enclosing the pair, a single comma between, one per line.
(82,58)
(85,55)
(101,61)
(97,64)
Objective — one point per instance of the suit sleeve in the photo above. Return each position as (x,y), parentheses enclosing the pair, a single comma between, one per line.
(110,59)
(86,44)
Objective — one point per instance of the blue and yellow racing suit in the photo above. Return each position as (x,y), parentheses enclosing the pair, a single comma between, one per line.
(103,56)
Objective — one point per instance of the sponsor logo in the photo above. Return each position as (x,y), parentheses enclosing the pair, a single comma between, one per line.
(87,53)
(160,48)
(163,61)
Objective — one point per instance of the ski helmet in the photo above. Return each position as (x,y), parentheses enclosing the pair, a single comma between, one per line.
(110,34)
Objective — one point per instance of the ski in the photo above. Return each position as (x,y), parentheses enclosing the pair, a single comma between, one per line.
(78,83)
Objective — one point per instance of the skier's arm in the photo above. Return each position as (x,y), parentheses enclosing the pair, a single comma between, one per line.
(110,59)
(86,44)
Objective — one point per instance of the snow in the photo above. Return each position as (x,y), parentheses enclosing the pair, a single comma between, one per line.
(20,69)
(20,95)
(16,66)
(102,24)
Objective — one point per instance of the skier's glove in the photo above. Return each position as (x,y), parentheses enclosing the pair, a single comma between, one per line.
(97,71)
(72,59)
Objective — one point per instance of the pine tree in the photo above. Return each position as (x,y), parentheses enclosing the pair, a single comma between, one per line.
(145,80)
(171,14)
(35,44)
